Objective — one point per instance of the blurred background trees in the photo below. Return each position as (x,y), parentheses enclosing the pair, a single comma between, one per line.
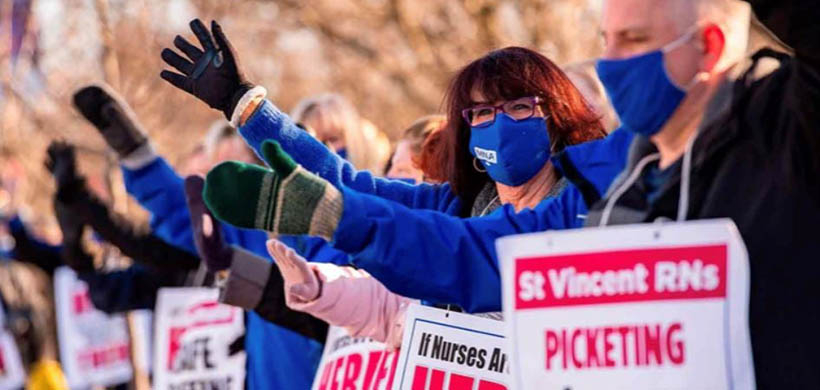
(392,58)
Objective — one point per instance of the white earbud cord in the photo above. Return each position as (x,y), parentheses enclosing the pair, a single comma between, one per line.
(685,175)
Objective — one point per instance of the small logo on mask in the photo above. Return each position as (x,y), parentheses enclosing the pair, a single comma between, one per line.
(485,155)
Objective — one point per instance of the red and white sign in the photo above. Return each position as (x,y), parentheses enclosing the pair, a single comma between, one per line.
(193,337)
(354,363)
(444,350)
(94,347)
(626,307)
(12,375)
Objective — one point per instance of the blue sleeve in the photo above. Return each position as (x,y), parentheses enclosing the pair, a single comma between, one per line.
(132,288)
(161,191)
(440,258)
(268,123)
(600,161)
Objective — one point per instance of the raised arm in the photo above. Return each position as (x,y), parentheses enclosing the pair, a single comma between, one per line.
(386,239)
(223,86)
(453,259)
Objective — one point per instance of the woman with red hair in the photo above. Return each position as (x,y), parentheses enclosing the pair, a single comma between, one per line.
(508,113)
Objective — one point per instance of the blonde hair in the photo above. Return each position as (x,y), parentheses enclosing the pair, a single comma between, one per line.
(418,131)
(367,147)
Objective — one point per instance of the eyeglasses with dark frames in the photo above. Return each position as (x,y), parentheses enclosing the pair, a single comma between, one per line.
(483,115)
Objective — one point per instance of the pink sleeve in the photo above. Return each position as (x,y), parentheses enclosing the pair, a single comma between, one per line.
(354,300)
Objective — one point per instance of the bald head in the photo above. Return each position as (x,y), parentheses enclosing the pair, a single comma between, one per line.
(632,27)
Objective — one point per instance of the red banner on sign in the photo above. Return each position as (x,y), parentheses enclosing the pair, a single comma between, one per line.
(621,276)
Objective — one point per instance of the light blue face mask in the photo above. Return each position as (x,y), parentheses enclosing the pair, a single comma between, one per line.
(511,151)
(640,90)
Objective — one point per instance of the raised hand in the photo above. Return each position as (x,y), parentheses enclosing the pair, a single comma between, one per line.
(301,284)
(207,232)
(61,161)
(113,118)
(211,73)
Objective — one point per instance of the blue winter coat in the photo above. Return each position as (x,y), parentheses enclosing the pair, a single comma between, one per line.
(402,234)
(277,358)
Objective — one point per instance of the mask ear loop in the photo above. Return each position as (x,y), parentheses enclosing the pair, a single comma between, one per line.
(680,41)
(476,165)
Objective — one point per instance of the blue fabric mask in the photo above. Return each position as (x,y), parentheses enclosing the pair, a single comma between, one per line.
(511,151)
(640,90)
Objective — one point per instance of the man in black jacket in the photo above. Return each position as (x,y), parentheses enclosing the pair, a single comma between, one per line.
(747,149)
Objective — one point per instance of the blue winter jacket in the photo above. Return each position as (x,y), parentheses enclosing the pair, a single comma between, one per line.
(277,358)
(403,233)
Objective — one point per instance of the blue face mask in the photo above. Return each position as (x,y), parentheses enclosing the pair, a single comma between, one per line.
(511,151)
(640,90)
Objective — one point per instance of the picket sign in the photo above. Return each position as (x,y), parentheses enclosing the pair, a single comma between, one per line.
(652,306)
(443,350)
(94,347)
(12,374)
(354,363)
(192,341)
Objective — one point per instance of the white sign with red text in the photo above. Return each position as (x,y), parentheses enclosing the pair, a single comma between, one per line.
(94,347)
(443,350)
(12,374)
(354,363)
(655,306)
(194,333)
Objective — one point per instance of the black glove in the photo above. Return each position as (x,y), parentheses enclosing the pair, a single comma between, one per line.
(62,163)
(208,239)
(213,75)
(112,117)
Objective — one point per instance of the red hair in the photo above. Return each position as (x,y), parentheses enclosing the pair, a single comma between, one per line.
(501,75)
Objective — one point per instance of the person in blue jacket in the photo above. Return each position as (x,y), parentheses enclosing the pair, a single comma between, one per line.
(277,358)
(509,103)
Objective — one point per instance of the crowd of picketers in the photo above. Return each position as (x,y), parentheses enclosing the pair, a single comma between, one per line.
(704,133)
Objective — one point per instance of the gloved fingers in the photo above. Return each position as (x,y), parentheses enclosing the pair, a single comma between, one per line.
(177,61)
(190,50)
(194,184)
(114,113)
(196,206)
(177,80)
(202,34)
(221,39)
(88,100)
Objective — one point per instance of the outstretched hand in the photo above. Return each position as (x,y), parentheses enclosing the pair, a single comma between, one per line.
(301,283)
(61,161)
(210,245)
(211,73)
